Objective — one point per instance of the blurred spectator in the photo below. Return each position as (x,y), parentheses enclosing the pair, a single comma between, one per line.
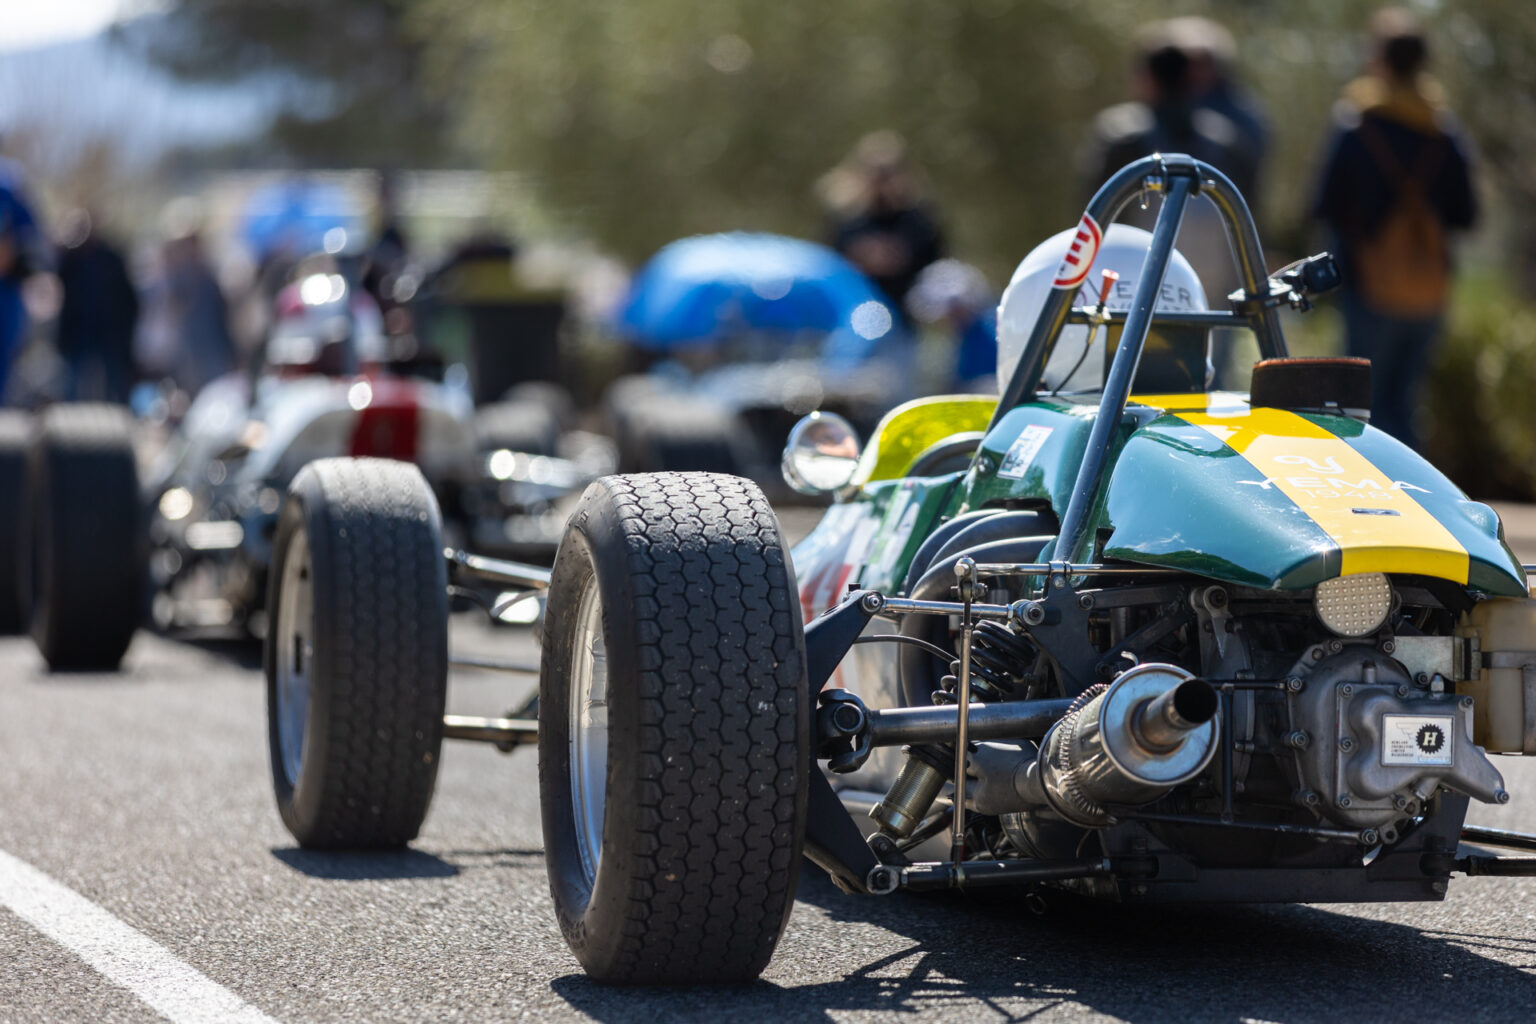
(1395,185)
(390,251)
(1186,100)
(199,317)
(1183,101)
(97,315)
(955,296)
(19,242)
(880,221)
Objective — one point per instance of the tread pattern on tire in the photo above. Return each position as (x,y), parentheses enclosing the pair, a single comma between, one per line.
(722,728)
(381,638)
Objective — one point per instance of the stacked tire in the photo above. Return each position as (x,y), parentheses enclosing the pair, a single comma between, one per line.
(15,436)
(78,572)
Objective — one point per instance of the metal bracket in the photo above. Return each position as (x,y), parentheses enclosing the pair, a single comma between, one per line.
(833,841)
(829,638)
(1058,622)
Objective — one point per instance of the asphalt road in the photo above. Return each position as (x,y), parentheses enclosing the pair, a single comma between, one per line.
(148,794)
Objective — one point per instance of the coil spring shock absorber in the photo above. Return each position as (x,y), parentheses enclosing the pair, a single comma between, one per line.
(1000,662)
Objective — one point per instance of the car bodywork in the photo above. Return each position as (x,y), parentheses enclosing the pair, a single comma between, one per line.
(328,387)
(1195,535)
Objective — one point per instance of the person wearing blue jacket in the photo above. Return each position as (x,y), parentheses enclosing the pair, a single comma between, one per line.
(18,244)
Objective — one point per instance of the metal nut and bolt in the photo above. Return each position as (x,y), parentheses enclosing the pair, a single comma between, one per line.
(1347,690)
(1335,646)
(1085,602)
(1344,800)
(1294,684)
(1466,702)
(1346,744)
(1388,646)
(1402,690)
(1298,739)
(1400,802)
(1310,798)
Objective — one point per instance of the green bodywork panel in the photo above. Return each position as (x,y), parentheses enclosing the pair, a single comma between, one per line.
(1188,488)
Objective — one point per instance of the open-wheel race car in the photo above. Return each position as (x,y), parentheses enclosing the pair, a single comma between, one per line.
(1113,634)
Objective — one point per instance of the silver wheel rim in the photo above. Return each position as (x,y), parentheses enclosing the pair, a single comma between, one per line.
(295,650)
(589,729)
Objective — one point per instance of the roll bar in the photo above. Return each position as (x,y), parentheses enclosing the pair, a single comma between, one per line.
(1177,177)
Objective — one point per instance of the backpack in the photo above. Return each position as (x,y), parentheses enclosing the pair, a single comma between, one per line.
(1403,268)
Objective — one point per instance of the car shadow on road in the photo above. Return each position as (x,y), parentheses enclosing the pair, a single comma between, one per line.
(987,957)
(360,866)
(243,651)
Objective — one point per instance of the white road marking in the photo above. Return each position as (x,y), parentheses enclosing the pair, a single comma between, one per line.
(118,952)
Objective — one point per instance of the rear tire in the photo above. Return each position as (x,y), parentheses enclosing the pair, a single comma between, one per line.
(673,829)
(15,435)
(83,577)
(356,654)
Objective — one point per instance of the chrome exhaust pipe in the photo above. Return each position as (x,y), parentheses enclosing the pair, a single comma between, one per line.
(1152,729)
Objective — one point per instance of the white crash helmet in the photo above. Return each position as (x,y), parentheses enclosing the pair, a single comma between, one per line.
(1176,359)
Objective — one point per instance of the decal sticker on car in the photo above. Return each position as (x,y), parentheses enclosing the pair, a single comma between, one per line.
(1023,451)
(1416,739)
(1080,254)
(1328,480)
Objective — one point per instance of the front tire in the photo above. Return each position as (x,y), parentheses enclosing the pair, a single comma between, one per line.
(674,736)
(357,654)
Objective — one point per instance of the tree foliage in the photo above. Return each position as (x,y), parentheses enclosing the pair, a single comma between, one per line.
(640,122)
(346,69)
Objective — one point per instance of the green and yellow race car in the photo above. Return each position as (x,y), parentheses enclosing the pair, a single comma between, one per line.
(1112,632)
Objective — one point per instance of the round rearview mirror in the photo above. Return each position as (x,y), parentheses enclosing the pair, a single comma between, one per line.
(821,454)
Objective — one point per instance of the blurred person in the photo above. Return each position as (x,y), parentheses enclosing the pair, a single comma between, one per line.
(97,315)
(955,296)
(1184,100)
(390,251)
(1395,185)
(20,244)
(880,220)
(198,314)
(1167,114)
(1213,85)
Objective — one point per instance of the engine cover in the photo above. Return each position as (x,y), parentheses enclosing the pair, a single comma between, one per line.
(1372,745)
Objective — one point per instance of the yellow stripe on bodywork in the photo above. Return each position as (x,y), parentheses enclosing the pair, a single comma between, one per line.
(1328,480)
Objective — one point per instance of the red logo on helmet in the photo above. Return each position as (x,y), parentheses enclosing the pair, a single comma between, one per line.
(1080,255)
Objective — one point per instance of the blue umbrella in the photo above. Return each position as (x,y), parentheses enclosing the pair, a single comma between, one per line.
(295,215)
(710,287)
